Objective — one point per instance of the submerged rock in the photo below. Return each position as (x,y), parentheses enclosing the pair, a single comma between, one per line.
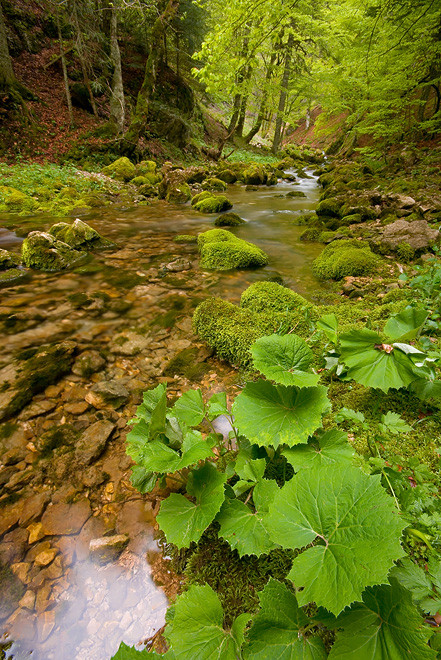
(229,220)
(93,441)
(108,548)
(12,276)
(8,260)
(79,235)
(42,251)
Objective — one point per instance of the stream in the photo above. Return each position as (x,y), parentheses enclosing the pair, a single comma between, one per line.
(67,591)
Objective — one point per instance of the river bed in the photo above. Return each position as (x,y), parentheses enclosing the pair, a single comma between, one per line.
(127,315)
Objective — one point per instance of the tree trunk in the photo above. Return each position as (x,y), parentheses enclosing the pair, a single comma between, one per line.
(155,57)
(64,67)
(235,115)
(7,78)
(117,105)
(283,94)
(263,103)
(80,52)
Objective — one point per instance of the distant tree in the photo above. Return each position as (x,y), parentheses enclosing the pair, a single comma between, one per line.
(7,78)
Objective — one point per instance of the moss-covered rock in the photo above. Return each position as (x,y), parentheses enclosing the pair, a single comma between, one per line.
(178,194)
(185,238)
(200,196)
(146,167)
(213,204)
(311,235)
(140,181)
(345,257)
(8,260)
(148,190)
(214,185)
(122,169)
(12,276)
(254,175)
(228,176)
(352,219)
(221,250)
(15,201)
(229,220)
(272,297)
(79,235)
(43,251)
(329,208)
(295,193)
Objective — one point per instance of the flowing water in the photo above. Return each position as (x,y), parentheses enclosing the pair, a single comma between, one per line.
(128,314)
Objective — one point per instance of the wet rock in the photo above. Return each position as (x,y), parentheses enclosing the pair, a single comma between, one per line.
(129,343)
(38,408)
(13,546)
(13,276)
(88,363)
(135,517)
(418,234)
(178,265)
(46,557)
(60,435)
(108,548)
(10,515)
(92,529)
(108,394)
(11,591)
(21,570)
(93,441)
(8,260)
(76,408)
(44,252)
(33,508)
(28,600)
(79,235)
(6,473)
(64,518)
(28,377)
(46,625)
(20,479)
(36,532)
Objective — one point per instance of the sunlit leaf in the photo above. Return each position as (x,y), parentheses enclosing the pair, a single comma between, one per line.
(331,447)
(405,325)
(392,422)
(329,325)
(189,408)
(284,359)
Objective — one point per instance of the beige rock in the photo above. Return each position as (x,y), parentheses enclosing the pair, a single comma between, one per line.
(21,570)
(35,532)
(28,600)
(46,625)
(108,548)
(46,557)
(64,518)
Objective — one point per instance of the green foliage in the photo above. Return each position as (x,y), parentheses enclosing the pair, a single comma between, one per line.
(345,257)
(328,448)
(284,360)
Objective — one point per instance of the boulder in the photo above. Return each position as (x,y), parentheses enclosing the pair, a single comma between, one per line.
(122,169)
(229,220)
(418,234)
(8,260)
(93,441)
(79,235)
(222,250)
(43,251)
(64,518)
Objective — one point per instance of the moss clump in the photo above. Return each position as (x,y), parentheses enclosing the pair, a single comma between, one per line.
(8,260)
(146,167)
(229,220)
(254,176)
(213,204)
(148,190)
(311,234)
(122,169)
(79,235)
(221,250)
(214,184)
(345,257)
(295,193)
(329,208)
(405,252)
(185,238)
(200,196)
(228,176)
(44,252)
(16,201)
(12,276)
(179,194)
(352,219)
(272,297)
(140,181)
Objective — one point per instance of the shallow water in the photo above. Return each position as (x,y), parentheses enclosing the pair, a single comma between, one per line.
(136,314)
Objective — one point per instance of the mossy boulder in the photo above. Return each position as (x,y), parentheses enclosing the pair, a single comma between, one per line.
(15,201)
(148,190)
(79,235)
(43,251)
(185,238)
(122,169)
(179,194)
(146,167)
(8,260)
(213,184)
(310,235)
(272,179)
(265,307)
(221,250)
(213,204)
(228,176)
(254,175)
(140,181)
(200,196)
(345,257)
(295,193)
(13,276)
(329,208)
(229,220)
(352,219)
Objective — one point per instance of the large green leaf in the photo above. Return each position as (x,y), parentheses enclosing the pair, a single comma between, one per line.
(130,653)
(217,405)
(284,359)
(405,325)
(183,521)
(197,631)
(374,364)
(244,530)
(419,583)
(158,457)
(276,630)
(189,408)
(142,479)
(330,447)
(273,414)
(329,325)
(385,626)
(355,527)
(249,471)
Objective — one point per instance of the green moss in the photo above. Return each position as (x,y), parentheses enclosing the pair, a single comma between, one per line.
(185,364)
(228,176)
(185,238)
(405,252)
(311,234)
(179,194)
(254,175)
(345,257)
(12,276)
(8,260)
(122,169)
(64,435)
(79,235)
(329,208)
(215,185)
(221,250)
(229,220)
(354,218)
(44,252)
(146,167)
(140,181)
(200,196)
(272,297)
(213,204)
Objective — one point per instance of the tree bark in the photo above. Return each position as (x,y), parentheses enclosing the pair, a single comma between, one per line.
(263,103)
(283,94)
(81,57)
(117,104)
(154,59)
(7,78)
(64,67)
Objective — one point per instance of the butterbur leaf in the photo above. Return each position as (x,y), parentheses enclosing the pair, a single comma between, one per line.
(130,653)
(276,630)
(244,530)
(384,626)
(217,405)
(349,415)
(183,521)
(284,359)
(331,447)
(373,364)
(405,325)
(137,438)
(189,408)
(427,389)
(392,422)
(271,415)
(329,325)
(354,523)
(197,631)
(413,578)
(158,457)
(143,480)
